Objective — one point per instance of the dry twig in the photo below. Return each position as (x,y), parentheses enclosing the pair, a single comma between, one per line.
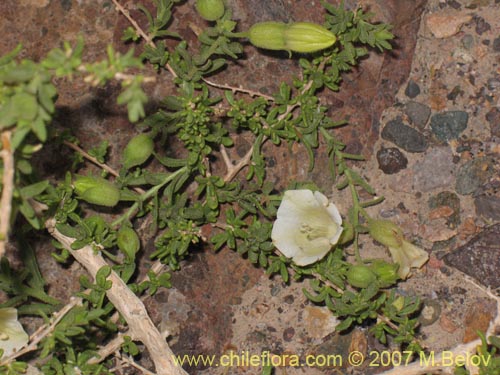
(141,328)
(7,189)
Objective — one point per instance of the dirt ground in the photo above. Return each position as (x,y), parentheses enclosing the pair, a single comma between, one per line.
(426,116)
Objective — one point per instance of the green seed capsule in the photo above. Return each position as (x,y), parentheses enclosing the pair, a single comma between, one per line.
(210,10)
(301,37)
(308,37)
(387,273)
(361,276)
(268,35)
(96,190)
(137,151)
(128,241)
(386,232)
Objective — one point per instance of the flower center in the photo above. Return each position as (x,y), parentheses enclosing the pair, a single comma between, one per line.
(314,232)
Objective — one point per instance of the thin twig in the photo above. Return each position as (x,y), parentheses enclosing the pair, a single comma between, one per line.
(234,89)
(140,31)
(132,309)
(89,157)
(7,189)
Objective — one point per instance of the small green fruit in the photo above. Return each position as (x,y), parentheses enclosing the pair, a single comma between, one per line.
(137,151)
(301,37)
(96,190)
(308,37)
(387,273)
(268,35)
(210,10)
(360,276)
(128,241)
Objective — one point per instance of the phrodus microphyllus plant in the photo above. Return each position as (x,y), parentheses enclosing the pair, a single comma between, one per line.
(307,226)
(404,253)
(12,335)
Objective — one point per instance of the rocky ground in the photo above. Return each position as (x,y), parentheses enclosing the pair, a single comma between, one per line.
(428,119)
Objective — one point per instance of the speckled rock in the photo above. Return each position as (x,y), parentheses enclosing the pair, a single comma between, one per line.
(480,257)
(436,170)
(404,136)
(391,160)
(449,125)
(412,89)
(473,174)
(488,207)
(418,113)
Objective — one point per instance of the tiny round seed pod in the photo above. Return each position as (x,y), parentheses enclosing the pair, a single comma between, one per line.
(96,190)
(210,10)
(137,151)
(268,35)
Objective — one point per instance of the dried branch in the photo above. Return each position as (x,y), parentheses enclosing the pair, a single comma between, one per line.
(234,89)
(7,189)
(141,328)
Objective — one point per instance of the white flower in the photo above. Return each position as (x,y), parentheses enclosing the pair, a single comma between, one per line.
(12,335)
(307,226)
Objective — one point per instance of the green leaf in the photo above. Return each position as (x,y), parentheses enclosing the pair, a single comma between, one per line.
(34,189)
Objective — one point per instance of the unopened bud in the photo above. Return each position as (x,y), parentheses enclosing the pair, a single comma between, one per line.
(96,190)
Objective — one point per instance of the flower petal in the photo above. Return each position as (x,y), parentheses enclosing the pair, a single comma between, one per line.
(12,335)
(408,256)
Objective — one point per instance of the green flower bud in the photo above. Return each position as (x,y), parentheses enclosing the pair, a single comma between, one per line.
(128,241)
(360,276)
(308,37)
(96,190)
(137,151)
(386,232)
(301,37)
(387,273)
(268,35)
(210,10)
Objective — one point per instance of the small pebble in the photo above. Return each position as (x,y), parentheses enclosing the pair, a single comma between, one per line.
(496,44)
(391,160)
(481,25)
(412,89)
(418,113)
(493,117)
(472,175)
(403,136)
(449,125)
(468,41)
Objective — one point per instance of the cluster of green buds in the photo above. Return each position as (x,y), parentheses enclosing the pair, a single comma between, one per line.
(304,37)
(96,190)
(382,273)
(210,10)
